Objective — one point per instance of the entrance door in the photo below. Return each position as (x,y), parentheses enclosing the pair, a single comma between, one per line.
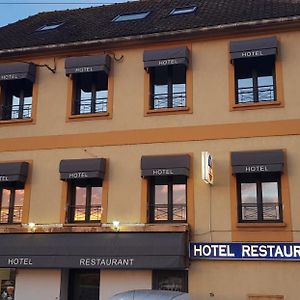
(84,284)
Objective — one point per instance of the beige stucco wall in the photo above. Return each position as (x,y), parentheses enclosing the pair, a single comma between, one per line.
(210,66)
(212,204)
(37,284)
(237,280)
(113,282)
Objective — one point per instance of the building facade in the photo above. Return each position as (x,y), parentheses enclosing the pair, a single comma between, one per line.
(102,135)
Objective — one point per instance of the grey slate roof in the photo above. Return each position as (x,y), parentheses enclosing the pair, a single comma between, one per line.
(96,23)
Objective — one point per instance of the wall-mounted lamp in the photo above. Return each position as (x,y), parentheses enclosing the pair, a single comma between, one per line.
(116,225)
(31,226)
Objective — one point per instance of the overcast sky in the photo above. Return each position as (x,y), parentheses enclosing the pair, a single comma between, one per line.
(14,10)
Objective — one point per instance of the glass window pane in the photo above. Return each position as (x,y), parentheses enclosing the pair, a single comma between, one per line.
(80,204)
(245,90)
(27,107)
(265,88)
(179,202)
(18,207)
(84,284)
(15,107)
(96,201)
(179,95)
(5,206)
(270,201)
(129,17)
(85,102)
(101,101)
(7,279)
(161,203)
(249,201)
(170,280)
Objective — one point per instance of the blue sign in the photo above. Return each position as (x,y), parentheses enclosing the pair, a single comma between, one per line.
(245,251)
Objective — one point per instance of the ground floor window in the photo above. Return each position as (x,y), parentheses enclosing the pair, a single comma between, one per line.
(7,280)
(84,284)
(170,280)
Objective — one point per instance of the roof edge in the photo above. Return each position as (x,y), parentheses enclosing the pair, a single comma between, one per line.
(152,36)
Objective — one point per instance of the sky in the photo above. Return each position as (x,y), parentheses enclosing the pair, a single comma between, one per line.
(14,10)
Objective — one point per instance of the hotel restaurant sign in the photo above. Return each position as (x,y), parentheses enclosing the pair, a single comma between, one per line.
(245,251)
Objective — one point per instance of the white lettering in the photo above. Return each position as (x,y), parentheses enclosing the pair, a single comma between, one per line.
(250,169)
(84,69)
(252,53)
(296,251)
(113,262)
(263,251)
(246,251)
(167,62)
(20,261)
(206,250)
(3,178)
(278,252)
(197,250)
(160,172)
(9,77)
(78,175)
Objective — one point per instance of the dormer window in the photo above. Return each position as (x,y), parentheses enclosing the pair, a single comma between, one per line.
(130,17)
(183,10)
(52,26)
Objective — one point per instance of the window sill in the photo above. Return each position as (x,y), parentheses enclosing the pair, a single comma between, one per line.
(88,117)
(91,224)
(258,105)
(168,111)
(261,225)
(17,122)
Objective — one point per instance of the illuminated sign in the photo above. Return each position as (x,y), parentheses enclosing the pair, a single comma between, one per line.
(207,168)
(245,251)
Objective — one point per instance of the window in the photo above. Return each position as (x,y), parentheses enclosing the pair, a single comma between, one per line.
(170,280)
(168,199)
(16,99)
(84,201)
(130,17)
(11,205)
(259,197)
(49,27)
(90,93)
(255,80)
(168,87)
(7,279)
(183,10)
(84,284)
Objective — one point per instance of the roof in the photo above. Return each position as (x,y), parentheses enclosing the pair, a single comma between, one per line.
(95,23)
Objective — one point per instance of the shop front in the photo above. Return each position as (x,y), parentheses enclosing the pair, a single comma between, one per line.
(85,264)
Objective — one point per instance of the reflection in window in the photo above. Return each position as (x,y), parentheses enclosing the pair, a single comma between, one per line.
(259,198)
(168,199)
(11,208)
(168,87)
(16,99)
(84,284)
(7,279)
(85,203)
(90,93)
(255,79)
(170,280)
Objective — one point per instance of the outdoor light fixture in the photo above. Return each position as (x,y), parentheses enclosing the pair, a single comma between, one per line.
(116,225)
(31,226)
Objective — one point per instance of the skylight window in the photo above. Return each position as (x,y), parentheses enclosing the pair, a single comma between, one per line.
(130,17)
(49,27)
(183,10)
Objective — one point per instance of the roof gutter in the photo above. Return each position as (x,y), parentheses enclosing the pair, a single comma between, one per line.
(152,36)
